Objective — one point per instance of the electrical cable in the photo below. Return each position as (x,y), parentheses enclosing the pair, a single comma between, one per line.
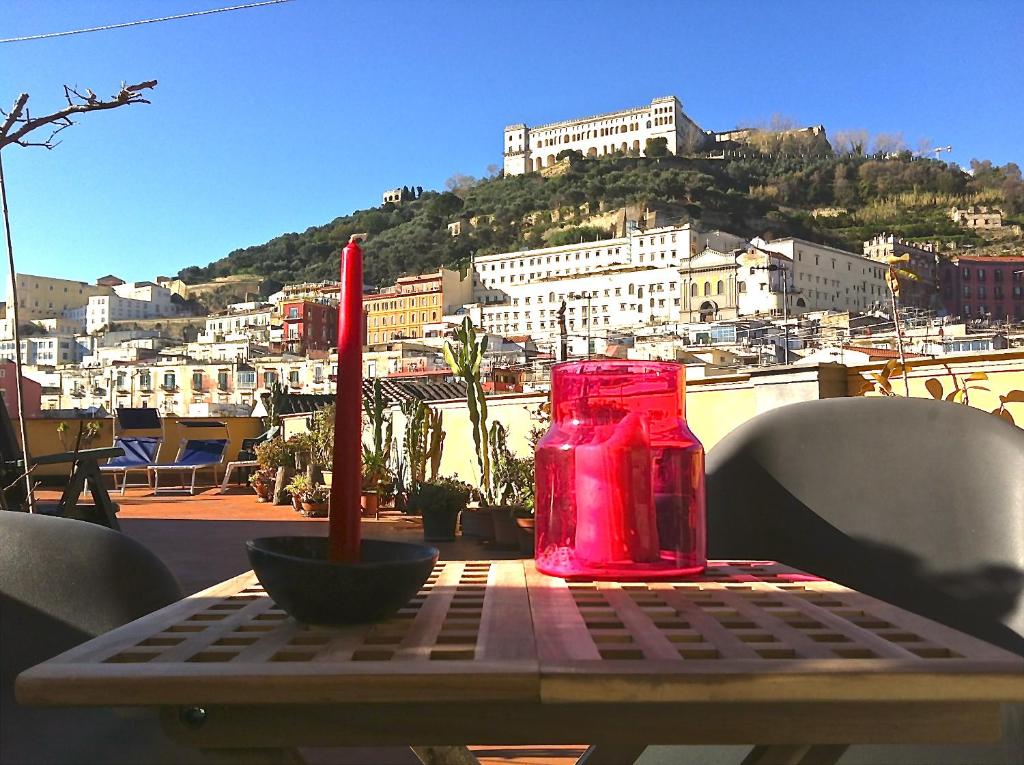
(107,27)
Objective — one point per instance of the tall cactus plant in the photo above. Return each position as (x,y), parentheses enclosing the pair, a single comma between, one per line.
(415,412)
(375,408)
(435,441)
(464,358)
(424,440)
(377,454)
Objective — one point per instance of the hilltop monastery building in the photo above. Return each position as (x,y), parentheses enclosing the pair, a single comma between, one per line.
(532,148)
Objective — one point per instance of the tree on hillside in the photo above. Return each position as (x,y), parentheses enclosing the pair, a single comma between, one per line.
(656,147)
(889,143)
(460,184)
(854,142)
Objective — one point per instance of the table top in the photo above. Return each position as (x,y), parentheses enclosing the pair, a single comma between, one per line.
(744,631)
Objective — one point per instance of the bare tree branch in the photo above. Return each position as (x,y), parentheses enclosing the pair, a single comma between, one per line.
(18,123)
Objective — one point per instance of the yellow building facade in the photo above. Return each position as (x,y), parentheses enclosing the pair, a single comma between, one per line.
(401,311)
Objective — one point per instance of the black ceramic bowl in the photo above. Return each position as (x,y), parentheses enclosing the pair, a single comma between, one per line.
(296,574)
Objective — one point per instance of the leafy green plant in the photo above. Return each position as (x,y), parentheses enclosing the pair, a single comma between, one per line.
(274,453)
(442,495)
(262,482)
(512,477)
(375,470)
(322,437)
(299,486)
(88,431)
(464,359)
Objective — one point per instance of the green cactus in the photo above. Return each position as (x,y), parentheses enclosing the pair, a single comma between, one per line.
(415,412)
(435,441)
(464,361)
(377,454)
(274,400)
(376,408)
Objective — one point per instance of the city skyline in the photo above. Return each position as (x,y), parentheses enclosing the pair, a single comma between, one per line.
(252,131)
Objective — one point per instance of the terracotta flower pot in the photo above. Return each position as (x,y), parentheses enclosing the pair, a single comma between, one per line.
(314,509)
(369,504)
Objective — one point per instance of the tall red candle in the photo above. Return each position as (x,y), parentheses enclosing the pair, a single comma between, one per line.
(343,525)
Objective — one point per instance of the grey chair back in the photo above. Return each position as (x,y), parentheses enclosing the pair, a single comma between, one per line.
(917,502)
(63,582)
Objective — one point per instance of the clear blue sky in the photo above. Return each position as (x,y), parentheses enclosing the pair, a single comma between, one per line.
(276,119)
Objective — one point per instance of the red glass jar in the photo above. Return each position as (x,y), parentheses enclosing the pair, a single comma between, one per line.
(620,477)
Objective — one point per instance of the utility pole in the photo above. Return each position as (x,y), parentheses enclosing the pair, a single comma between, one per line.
(588,295)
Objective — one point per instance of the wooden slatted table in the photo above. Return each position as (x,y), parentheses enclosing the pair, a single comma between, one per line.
(492,652)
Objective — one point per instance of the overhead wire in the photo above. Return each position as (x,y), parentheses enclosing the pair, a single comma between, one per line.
(106,27)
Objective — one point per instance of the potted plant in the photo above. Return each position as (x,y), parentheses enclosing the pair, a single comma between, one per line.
(274,454)
(314,501)
(376,454)
(464,358)
(262,482)
(511,488)
(322,441)
(296,488)
(441,500)
(375,474)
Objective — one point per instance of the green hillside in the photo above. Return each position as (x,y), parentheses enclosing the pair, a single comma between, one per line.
(855,197)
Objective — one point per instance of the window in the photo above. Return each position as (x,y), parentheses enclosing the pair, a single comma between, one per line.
(197,380)
(720,287)
(169,380)
(222,380)
(707,288)
(293,313)
(693,290)
(269,378)
(293,377)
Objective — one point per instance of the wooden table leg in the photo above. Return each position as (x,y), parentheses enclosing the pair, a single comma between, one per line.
(611,754)
(444,755)
(795,755)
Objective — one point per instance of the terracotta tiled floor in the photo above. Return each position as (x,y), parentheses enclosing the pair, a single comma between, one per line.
(201,538)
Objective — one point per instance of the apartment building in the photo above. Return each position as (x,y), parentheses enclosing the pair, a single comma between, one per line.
(46,350)
(253,323)
(829,279)
(976,287)
(308,326)
(44,297)
(923,260)
(402,310)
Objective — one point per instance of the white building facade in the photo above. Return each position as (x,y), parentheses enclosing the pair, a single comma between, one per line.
(528,149)
(829,279)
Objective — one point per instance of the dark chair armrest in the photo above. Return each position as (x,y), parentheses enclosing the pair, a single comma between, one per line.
(84,454)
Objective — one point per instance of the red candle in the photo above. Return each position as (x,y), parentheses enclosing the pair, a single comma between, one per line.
(343,524)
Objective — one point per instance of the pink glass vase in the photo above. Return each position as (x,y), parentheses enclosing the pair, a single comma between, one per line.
(620,477)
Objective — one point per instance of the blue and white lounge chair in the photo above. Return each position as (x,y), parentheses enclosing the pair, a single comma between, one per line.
(140,452)
(135,432)
(193,455)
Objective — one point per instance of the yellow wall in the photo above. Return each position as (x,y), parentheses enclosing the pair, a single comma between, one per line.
(44,439)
